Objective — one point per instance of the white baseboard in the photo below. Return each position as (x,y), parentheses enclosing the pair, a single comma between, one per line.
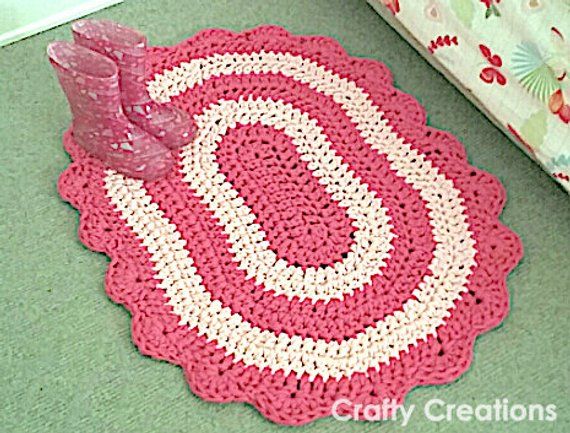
(55,20)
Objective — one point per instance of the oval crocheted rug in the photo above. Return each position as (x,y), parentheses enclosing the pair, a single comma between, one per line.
(316,240)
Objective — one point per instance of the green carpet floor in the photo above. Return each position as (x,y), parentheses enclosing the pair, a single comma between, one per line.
(67,362)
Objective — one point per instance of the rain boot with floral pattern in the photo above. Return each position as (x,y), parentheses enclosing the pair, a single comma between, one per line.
(127,48)
(91,83)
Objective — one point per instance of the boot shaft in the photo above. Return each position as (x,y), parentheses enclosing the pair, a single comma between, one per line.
(90,82)
(126,47)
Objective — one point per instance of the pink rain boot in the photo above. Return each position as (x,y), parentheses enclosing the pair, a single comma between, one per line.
(127,48)
(91,83)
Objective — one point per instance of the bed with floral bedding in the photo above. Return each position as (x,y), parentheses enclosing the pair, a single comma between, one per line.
(510,57)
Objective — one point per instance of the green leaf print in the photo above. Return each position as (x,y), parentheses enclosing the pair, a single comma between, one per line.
(530,66)
(533,129)
(464,10)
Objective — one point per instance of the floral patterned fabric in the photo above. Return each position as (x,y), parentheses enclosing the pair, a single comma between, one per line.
(511,57)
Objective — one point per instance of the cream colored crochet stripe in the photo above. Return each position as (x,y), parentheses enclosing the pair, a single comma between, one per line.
(453,255)
(249,245)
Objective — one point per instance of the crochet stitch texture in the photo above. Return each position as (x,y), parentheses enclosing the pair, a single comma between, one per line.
(315,241)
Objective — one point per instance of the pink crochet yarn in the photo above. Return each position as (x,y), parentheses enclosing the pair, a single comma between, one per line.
(316,241)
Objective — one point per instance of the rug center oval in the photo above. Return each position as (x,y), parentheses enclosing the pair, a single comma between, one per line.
(304,226)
